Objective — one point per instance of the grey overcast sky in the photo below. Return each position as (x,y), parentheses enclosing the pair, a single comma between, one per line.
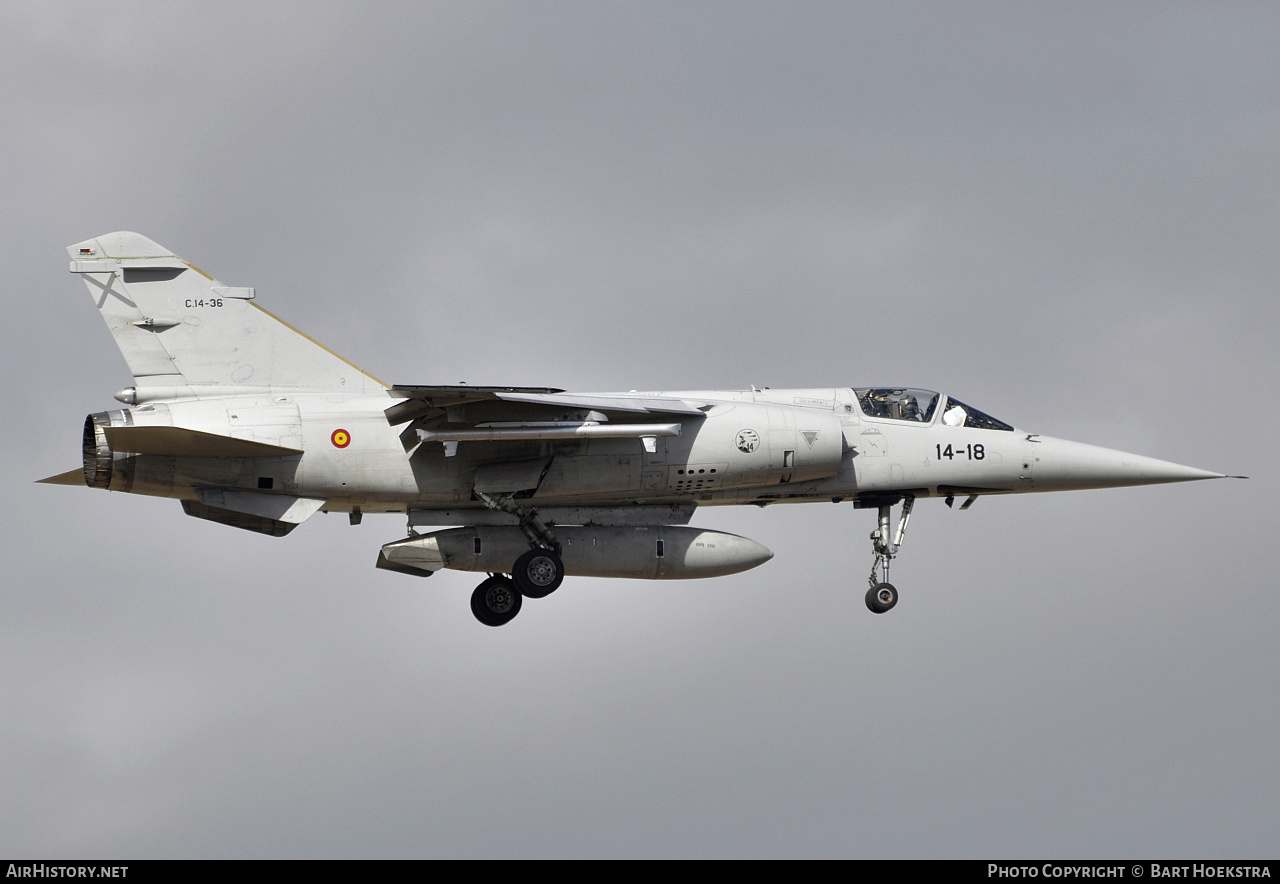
(1065,214)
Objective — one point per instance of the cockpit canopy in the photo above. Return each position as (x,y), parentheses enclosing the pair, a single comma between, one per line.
(918,406)
(903,404)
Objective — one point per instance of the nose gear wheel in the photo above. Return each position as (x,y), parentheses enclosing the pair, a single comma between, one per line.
(881,597)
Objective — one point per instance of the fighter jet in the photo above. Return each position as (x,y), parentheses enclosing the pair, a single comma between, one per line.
(250,423)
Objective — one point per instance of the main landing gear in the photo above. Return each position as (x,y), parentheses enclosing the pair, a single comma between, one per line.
(536,574)
(882,595)
(496,601)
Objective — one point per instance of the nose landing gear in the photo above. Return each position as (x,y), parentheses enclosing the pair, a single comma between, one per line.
(882,595)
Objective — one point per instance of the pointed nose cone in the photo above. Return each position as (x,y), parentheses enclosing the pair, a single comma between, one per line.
(1060,465)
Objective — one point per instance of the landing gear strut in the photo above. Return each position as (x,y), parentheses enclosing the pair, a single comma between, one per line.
(882,595)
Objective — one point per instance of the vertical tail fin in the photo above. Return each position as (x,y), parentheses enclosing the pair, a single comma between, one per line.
(178,326)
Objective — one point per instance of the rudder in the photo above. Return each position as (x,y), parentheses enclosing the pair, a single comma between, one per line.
(177,326)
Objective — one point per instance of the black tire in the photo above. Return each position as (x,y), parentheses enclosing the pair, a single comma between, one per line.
(496,601)
(881,597)
(538,573)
